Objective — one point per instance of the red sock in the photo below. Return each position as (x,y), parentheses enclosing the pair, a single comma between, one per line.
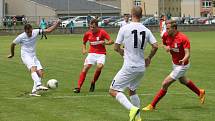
(96,76)
(193,87)
(158,96)
(81,79)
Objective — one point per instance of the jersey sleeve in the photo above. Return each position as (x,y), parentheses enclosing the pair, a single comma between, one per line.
(120,36)
(17,40)
(164,38)
(151,38)
(85,38)
(38,31)
(105,35)
(186,42)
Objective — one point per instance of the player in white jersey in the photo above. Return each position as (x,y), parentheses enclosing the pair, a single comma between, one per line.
(28,40)
(134,37)
(162,25)
(126,20)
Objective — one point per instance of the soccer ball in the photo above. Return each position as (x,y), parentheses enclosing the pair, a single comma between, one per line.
(52,83)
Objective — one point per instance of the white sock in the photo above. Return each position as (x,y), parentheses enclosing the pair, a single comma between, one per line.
(135,100)
(122,99)
(36,78)
(34,88)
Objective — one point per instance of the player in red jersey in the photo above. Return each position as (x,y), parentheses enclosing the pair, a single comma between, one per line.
(178,45)
(96,55)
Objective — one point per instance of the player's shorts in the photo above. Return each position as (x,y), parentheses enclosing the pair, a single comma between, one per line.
(126,78)
(179,71)
(93,58)
(30,61)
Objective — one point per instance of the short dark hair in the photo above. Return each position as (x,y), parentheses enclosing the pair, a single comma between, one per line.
(27,27)
(94,21)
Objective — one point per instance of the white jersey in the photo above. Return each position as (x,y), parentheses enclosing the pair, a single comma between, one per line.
(123,23)
(163,28)
(28,44)
(134,36)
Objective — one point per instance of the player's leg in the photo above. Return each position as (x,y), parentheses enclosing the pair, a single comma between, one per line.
(135,100)
(123,100)
(96,76)
(40,73)
(194,88)
(118,85)
(89,61)
(82,77)
(100,60)
(160,94)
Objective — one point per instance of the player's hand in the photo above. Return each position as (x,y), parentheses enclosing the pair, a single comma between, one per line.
(84,52)
(103,43)
(121,52)
(59,21)
(10,56)
(182,62)
(167,48)
(147,62)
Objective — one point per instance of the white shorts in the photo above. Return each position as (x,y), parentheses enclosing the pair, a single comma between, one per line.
(93,58)
(30,61)
(126,78)
(179,71)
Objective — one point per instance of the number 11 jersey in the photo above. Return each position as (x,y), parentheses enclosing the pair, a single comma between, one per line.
(134,37)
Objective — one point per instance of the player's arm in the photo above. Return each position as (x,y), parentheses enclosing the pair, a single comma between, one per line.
(107,37)
(110,42)
(52,28)
(117,48)
(12,48)
(151,54)
(164,39)
(186,56)
(84,50)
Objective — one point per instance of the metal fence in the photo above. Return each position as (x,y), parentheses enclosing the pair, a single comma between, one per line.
(17,22)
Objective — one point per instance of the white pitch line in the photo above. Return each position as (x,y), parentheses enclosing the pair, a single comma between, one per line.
(104,95)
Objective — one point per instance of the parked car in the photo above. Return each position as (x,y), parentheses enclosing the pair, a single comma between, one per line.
(202,20)
(78,21)
(66,22)
(213,21)
(151,21)
(81,21)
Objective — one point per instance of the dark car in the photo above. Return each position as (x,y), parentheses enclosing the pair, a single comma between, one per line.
(151,21)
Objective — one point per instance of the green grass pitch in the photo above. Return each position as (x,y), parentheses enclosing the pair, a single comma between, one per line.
(61,58)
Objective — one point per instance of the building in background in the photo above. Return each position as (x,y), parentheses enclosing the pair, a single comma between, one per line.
(150,7)
(213,6)
(191,8)
(206,8)
(31,10)
(1,10)
(171,7)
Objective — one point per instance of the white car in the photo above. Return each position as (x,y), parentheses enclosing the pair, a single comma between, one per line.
(81,21)
(66,22)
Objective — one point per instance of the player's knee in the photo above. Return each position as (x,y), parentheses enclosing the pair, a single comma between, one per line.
(40,73)
(165,85)
(112,93)
(184,82)
(132,92)
(86,68)
(33,69)
(99,67)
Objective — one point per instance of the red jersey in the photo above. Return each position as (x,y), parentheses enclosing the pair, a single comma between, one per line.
(177,45)
(95,39)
